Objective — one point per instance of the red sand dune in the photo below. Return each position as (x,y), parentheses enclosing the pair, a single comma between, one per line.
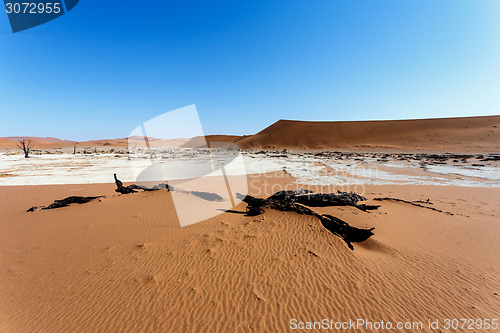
(53,143)
(39,143)
(480,134)
(201,141)
(473,134)
(34,138)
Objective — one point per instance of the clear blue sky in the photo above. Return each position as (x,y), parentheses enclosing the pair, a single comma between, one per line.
(107,66)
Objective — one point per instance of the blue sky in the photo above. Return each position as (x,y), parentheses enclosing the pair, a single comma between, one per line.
(107,66)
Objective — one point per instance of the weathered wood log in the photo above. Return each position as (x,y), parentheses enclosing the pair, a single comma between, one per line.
(287,201)
(122,189)
(345,231)
(254,211)
(161,186)
(289,194)
(68,201)
(209,196)
(311,199)
(332,199)
(133,187)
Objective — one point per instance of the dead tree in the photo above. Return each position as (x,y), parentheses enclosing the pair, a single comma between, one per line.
(208,196)
(70,200)
(414,203)
(122,189)
(25,146)
(133,187)
(296,201)
(66,202)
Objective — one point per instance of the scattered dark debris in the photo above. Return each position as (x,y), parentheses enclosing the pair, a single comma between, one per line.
(428,201)
(32,209)
(311,252)
(414,203)
(491,158)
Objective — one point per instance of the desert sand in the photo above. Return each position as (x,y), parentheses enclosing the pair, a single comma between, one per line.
(124,263)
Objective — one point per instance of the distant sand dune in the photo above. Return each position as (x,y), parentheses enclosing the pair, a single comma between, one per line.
(201,141)
(479,134)
(468,134)
(52,143)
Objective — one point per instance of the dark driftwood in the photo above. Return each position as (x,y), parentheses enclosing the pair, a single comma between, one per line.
(414,203)
(133,187)
(289,201)
(67,201)
(331,199)
(122,189)
(310,199)
(347,232)
(209,196)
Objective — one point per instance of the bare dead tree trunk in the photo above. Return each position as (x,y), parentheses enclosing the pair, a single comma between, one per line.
(25,146)
(74,150)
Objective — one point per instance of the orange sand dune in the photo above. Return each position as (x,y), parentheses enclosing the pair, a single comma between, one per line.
(39,143)
(201,141)
(123,264)
(104,142)
(468,134)
(4,143)
(53,143)
(35,138)
(124,142)
(478,134)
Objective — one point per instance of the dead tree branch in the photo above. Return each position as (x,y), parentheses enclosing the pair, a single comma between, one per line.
(296,201)
(413,203)
(25,146)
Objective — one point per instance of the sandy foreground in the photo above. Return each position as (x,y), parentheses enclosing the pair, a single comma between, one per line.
(124,264)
